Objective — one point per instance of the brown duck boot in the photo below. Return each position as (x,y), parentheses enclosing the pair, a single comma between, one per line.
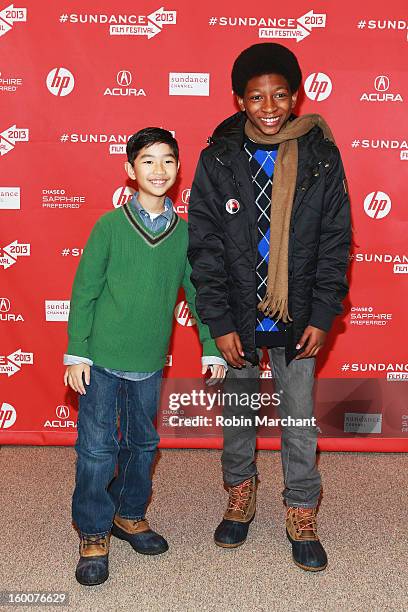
(139,535)
(233,529)
(93,566)
(301,529)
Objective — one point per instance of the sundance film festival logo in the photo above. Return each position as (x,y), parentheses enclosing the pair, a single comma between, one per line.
(401,146)
(122,196)
(318,86)
(9,137)
(399,262)
(126,25)
(12,251)
(9,16)
(296,28)
(381,93)
(11,364)
(383,24)
(377,204)
(62,421)
(8,416)
(124,80)
(6,315)
(392,371)
(60,81)
(183,315)
(10,198)
(116,142)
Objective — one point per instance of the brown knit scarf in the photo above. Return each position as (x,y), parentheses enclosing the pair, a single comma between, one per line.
(275,302)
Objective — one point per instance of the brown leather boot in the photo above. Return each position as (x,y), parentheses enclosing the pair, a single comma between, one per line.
(139,535)
(233,529)
(301,529)
(93,567)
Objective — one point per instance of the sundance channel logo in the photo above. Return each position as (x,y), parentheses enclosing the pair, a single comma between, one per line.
(9,198)
(362,423)
(57,310)
(189,84)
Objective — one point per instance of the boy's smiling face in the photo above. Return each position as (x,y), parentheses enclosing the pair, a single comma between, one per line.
(268,103)
(154,169)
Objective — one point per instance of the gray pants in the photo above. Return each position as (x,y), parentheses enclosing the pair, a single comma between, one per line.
(300,474)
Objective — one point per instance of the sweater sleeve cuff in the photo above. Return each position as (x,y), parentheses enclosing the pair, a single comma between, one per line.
(212,360)
(321,317)
(221,326)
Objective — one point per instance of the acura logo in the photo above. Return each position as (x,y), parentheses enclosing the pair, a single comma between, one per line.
(4,304)
(382,83)
(124,78)
(62,412)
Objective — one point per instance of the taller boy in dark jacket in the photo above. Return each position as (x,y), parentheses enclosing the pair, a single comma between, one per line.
(269,235)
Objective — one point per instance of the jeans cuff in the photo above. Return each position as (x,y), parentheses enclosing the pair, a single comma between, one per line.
(132,518)
(240,481)
(295,504)
(101,534)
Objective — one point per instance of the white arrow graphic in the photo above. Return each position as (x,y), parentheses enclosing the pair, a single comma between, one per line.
(19,357)
(314,20)
(9,369)
(11,14)
(4,27)
(14,134)
(162,17)
(301,33)
(152,31)
(6,261)
(6,134)
(17,249)
(298,33)
(5,146)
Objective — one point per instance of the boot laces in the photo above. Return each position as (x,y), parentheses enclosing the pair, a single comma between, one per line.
(239,496)
(94,541)
(304,520)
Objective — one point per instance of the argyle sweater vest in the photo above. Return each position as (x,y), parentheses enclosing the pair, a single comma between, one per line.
(268,333)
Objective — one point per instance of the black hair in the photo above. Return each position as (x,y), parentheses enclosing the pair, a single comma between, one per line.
(265,58)
(146,138)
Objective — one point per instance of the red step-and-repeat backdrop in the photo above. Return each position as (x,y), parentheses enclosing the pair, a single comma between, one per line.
(78,78)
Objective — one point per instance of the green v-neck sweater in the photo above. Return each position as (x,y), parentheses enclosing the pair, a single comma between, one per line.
(125,291)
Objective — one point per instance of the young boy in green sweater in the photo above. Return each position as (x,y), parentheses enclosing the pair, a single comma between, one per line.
(119,328)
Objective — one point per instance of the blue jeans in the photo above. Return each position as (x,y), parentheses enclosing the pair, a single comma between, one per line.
(98,494)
